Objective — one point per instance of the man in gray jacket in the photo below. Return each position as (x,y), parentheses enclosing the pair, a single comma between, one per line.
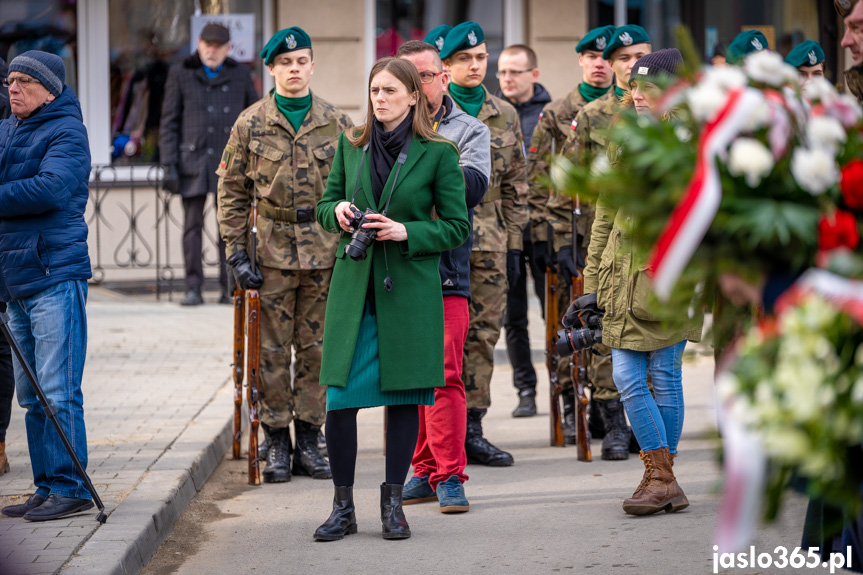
(439,458)
(204,95)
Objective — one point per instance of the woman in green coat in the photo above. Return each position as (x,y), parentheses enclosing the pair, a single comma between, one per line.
(383,333)
(640,341)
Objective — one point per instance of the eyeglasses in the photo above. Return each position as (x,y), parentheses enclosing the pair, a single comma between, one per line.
(504,73)
(428,77)
(22,81)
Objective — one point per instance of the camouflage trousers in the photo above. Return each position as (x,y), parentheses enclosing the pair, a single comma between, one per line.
(598,367)
(292,318)
(488,301)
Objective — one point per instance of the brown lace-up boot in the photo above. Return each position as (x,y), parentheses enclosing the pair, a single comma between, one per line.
(4,461)
(658,489)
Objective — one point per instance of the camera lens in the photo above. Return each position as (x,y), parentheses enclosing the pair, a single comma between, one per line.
(360,242)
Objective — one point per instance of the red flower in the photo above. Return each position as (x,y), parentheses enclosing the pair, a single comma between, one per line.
(851,184)
(838,231)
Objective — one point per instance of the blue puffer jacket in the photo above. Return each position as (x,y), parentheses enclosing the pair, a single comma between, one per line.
(44,170)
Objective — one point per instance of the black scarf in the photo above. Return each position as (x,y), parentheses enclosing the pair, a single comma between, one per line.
(385,148)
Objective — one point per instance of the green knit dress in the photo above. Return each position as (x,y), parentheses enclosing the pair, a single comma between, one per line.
(363,387)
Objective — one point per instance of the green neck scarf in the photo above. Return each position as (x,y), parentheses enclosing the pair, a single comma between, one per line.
(591,93)
(294,109)
(469,99)
(620,92)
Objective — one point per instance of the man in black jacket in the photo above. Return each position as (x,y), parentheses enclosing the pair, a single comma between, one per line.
(518,73)
(204,95)
(7,377)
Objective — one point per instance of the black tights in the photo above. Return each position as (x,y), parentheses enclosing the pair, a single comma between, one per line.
(341,431)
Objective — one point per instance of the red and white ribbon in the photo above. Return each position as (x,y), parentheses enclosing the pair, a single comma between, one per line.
(692,217)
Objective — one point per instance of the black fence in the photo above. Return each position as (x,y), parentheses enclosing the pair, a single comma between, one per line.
(136,227)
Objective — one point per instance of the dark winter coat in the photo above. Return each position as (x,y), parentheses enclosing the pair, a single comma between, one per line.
(44,173)
(5,110)
(197,116)
(528,112)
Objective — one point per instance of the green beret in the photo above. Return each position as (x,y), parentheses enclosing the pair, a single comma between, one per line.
(807,53)
(437,36)
(463,37)
(625,36)
(744,44)
(596,40)
(287,40)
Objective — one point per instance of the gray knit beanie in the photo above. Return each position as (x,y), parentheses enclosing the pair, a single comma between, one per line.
(47,68)
(657,64)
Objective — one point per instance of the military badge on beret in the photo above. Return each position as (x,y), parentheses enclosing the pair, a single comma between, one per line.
(471,38)
(756,44)
(439,43)
(291,41)
(601,43)
(813,59)
(626,39)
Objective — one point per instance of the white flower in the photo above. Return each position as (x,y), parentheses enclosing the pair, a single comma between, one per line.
(682,133)
(758,116)
(815,170)
(766,67)
(857,392)
(724,78)
(825,133)
(750,158)
(600,165)
(819,90)
(705,100)
(559,172)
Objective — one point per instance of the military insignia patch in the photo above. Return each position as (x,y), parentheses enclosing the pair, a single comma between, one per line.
(574,124)
(756,44)
(471,38)
(601,43)
(291,42)
(439,43)
(626,39)
(813,59)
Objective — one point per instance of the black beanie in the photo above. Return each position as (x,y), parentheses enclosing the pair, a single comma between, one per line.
(657,64)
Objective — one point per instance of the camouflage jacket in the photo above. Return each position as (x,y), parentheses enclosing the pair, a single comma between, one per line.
(854,81)
(499,220)
(555,124)
(292,170)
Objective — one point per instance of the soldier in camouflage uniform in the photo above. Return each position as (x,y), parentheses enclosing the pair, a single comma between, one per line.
(554,211)
(498,223)
(588,139)
(281,149)
(852,13)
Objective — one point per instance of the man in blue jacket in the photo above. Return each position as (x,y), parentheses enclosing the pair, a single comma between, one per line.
(44,267)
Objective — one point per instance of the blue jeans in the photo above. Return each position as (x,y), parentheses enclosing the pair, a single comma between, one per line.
(51,328)
(656,422)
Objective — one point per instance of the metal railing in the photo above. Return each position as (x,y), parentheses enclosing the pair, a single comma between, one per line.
(136,230)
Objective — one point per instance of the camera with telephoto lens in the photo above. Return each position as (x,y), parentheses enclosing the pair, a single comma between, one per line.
(362,237)
(583,323)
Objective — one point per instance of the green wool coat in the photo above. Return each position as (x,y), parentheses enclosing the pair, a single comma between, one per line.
(429,199)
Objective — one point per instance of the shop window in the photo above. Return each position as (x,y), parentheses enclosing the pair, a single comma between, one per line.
(401,20)
(146,39)
(47,25)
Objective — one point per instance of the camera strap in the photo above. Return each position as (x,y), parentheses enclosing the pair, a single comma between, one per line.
(359,171)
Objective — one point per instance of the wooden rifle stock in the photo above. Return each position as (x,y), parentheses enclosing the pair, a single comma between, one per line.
(551,359)
(239,352)
(253,297)
(577,363)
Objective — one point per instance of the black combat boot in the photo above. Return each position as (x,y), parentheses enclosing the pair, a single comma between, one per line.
(594,421)
(343,519)
(394,525)
(307,458)
(278,468)
(478,448)
(568,423)
(615,444)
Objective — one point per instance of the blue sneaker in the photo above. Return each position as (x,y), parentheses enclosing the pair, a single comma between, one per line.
(417,490)
(450,493)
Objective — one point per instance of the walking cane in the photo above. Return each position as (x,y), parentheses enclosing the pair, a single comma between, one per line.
(51,412)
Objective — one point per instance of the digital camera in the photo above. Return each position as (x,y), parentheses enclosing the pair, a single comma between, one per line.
(362,237)
(583,326)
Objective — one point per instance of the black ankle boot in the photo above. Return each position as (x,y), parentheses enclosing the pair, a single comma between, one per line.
(307,458)
(615,444)
(478,448)
(343,519)
(568,423)
(393,522)
(278,468)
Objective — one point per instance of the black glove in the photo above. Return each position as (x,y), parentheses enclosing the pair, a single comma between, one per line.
(543,258)
(171,178)
(565,263)
(583,312)
(241,266)
(513,266)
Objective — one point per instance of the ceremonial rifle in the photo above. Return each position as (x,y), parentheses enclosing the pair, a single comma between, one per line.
(577,361)
(239,352)
(552,316)
(253,297)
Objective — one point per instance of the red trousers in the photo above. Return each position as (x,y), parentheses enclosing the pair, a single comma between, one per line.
(440,443)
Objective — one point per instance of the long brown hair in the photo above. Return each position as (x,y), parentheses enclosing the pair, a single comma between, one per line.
(406,73)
